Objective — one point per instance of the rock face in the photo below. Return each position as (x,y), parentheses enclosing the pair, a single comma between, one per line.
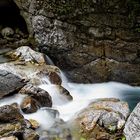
(132,126)
(103,119)
(9,83)
(94,41)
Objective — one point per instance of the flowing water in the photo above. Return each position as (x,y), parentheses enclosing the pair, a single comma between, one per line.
(83,94)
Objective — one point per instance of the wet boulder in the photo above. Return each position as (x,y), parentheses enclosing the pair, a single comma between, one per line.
(12,129)
(55,78)
(34,73)
(29,105)
(37,98)
(34,124)
(9,83)
(26,54)
(132,126)
(7,32)
(103,119)
(64,92)
(10,113)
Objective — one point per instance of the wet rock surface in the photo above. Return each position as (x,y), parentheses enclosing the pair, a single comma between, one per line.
(35,74)
(10,113)
(13,125)
(41,96)
(103,119)
(32,69)
(64,92)
(132,126)
(9,83)
(8,129)
(23,75)
(26,54)
(29,105)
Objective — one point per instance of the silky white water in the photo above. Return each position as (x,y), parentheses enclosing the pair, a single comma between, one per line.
(83,94)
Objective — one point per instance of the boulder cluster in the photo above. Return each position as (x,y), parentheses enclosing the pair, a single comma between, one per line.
(26,70)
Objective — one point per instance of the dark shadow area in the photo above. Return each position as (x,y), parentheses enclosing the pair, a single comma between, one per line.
(10,16)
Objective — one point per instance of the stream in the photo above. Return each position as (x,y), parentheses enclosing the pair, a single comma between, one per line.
(83,95)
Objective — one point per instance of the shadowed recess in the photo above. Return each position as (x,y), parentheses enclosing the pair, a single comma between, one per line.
(10,16)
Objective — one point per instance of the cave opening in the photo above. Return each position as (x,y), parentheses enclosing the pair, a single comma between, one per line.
(10,16)
(13,28)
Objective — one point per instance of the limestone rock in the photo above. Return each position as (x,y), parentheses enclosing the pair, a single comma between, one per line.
(7,32)
(103,119)
(35,74)
(26,54)
(9,83)
(82,45)
(132,126)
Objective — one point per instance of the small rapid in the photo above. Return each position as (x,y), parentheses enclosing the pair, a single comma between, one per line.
(82,94)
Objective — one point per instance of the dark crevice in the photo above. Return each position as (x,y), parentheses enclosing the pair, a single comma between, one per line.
(10,16)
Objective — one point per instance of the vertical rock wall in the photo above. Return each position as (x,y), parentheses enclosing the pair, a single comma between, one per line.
(92,40)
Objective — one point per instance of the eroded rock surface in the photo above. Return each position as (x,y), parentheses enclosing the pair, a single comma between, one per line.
(132,126)
(10,113)
(31,66)
(26,54)
(13,125)
(103,119)
(9,83)
(94,41)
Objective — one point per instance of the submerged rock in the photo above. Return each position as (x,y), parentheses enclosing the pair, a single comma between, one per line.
(30,134)
(132,126)
(9,83)
(59,130)
(103,119)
